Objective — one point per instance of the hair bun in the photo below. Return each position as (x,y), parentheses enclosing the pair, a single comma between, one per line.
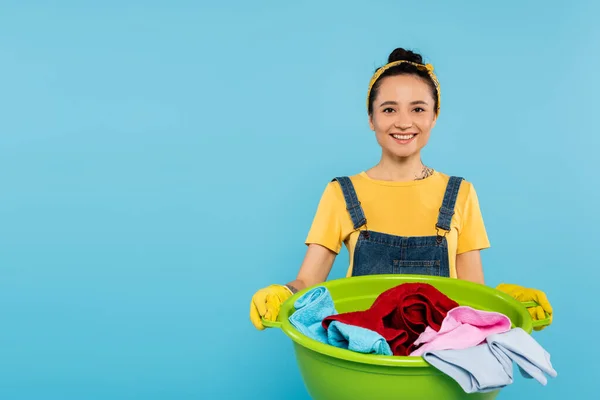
(404,55)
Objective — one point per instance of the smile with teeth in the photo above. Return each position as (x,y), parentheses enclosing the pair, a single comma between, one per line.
(404,137)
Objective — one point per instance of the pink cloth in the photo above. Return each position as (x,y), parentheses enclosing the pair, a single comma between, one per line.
(462,327)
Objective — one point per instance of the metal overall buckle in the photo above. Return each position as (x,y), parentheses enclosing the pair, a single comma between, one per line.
(365,232)
(440,238)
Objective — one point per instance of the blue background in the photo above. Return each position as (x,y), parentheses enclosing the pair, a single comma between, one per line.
(161,161)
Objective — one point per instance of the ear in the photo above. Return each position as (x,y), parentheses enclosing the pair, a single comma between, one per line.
(434,121)
(371,122)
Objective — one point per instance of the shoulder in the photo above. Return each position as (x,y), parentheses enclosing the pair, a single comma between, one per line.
(445,178)
(466,190)
(335,188)
(336,183)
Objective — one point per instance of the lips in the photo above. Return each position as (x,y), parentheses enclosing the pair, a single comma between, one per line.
(403,136)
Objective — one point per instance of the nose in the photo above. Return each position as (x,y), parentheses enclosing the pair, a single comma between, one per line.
(403,121)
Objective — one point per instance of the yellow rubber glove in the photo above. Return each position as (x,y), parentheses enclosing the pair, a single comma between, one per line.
(266,303)
(523,294)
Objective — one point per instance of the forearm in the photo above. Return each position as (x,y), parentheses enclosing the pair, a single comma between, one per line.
(469,268)
(314,269)
(471,276)
(296,285)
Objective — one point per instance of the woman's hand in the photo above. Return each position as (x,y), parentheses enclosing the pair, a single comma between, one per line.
(315,268)
(524,294)
(266,304)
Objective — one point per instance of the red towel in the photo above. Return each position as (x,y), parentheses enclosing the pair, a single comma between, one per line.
(401,314)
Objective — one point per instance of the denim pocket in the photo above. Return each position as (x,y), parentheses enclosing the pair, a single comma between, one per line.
(417,267)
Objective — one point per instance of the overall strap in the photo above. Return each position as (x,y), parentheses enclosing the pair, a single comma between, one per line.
(447,208)
(352,204)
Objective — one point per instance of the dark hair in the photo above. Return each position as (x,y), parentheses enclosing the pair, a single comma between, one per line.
(404,69)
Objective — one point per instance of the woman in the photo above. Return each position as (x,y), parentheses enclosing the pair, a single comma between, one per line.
(400,216)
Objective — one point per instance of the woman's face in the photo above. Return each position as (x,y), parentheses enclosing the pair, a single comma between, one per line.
(403,115)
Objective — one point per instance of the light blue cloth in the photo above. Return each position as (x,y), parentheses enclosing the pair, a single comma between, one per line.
(314,306)
(489,366)
(533,361)
(476,369)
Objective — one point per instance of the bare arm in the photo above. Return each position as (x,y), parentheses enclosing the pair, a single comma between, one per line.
(315,268)
(469,268)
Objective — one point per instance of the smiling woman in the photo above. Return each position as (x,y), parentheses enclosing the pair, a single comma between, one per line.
(399,216)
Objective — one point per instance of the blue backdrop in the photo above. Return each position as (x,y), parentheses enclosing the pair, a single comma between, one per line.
(161,161)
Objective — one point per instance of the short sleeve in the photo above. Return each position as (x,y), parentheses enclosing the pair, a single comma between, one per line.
(326,228)
(472,234)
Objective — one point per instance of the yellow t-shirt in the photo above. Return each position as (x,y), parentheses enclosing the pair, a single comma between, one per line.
(401,209)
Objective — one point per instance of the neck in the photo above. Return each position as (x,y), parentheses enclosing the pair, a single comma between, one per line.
(400,170)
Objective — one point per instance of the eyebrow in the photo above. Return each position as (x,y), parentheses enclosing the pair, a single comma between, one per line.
(394,103)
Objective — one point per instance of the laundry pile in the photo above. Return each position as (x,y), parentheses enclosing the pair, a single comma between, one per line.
(474,347)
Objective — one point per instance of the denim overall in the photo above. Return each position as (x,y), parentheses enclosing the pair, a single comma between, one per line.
(381,253)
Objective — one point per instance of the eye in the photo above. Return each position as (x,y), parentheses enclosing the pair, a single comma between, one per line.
(386,110)
(419,110)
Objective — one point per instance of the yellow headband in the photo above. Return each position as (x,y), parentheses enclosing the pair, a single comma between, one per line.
(427,67)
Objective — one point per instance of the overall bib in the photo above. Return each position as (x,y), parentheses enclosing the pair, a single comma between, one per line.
(381,253)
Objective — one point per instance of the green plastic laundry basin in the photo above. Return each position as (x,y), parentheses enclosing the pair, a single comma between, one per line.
(332,373)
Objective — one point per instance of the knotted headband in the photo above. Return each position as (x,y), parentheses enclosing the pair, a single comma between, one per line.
(423,67)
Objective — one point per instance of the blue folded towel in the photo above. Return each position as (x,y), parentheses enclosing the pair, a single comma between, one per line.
(357,339)
(489,366)
(311,309)
(314,306)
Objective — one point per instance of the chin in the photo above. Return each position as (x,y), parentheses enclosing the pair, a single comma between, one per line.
(403,153)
